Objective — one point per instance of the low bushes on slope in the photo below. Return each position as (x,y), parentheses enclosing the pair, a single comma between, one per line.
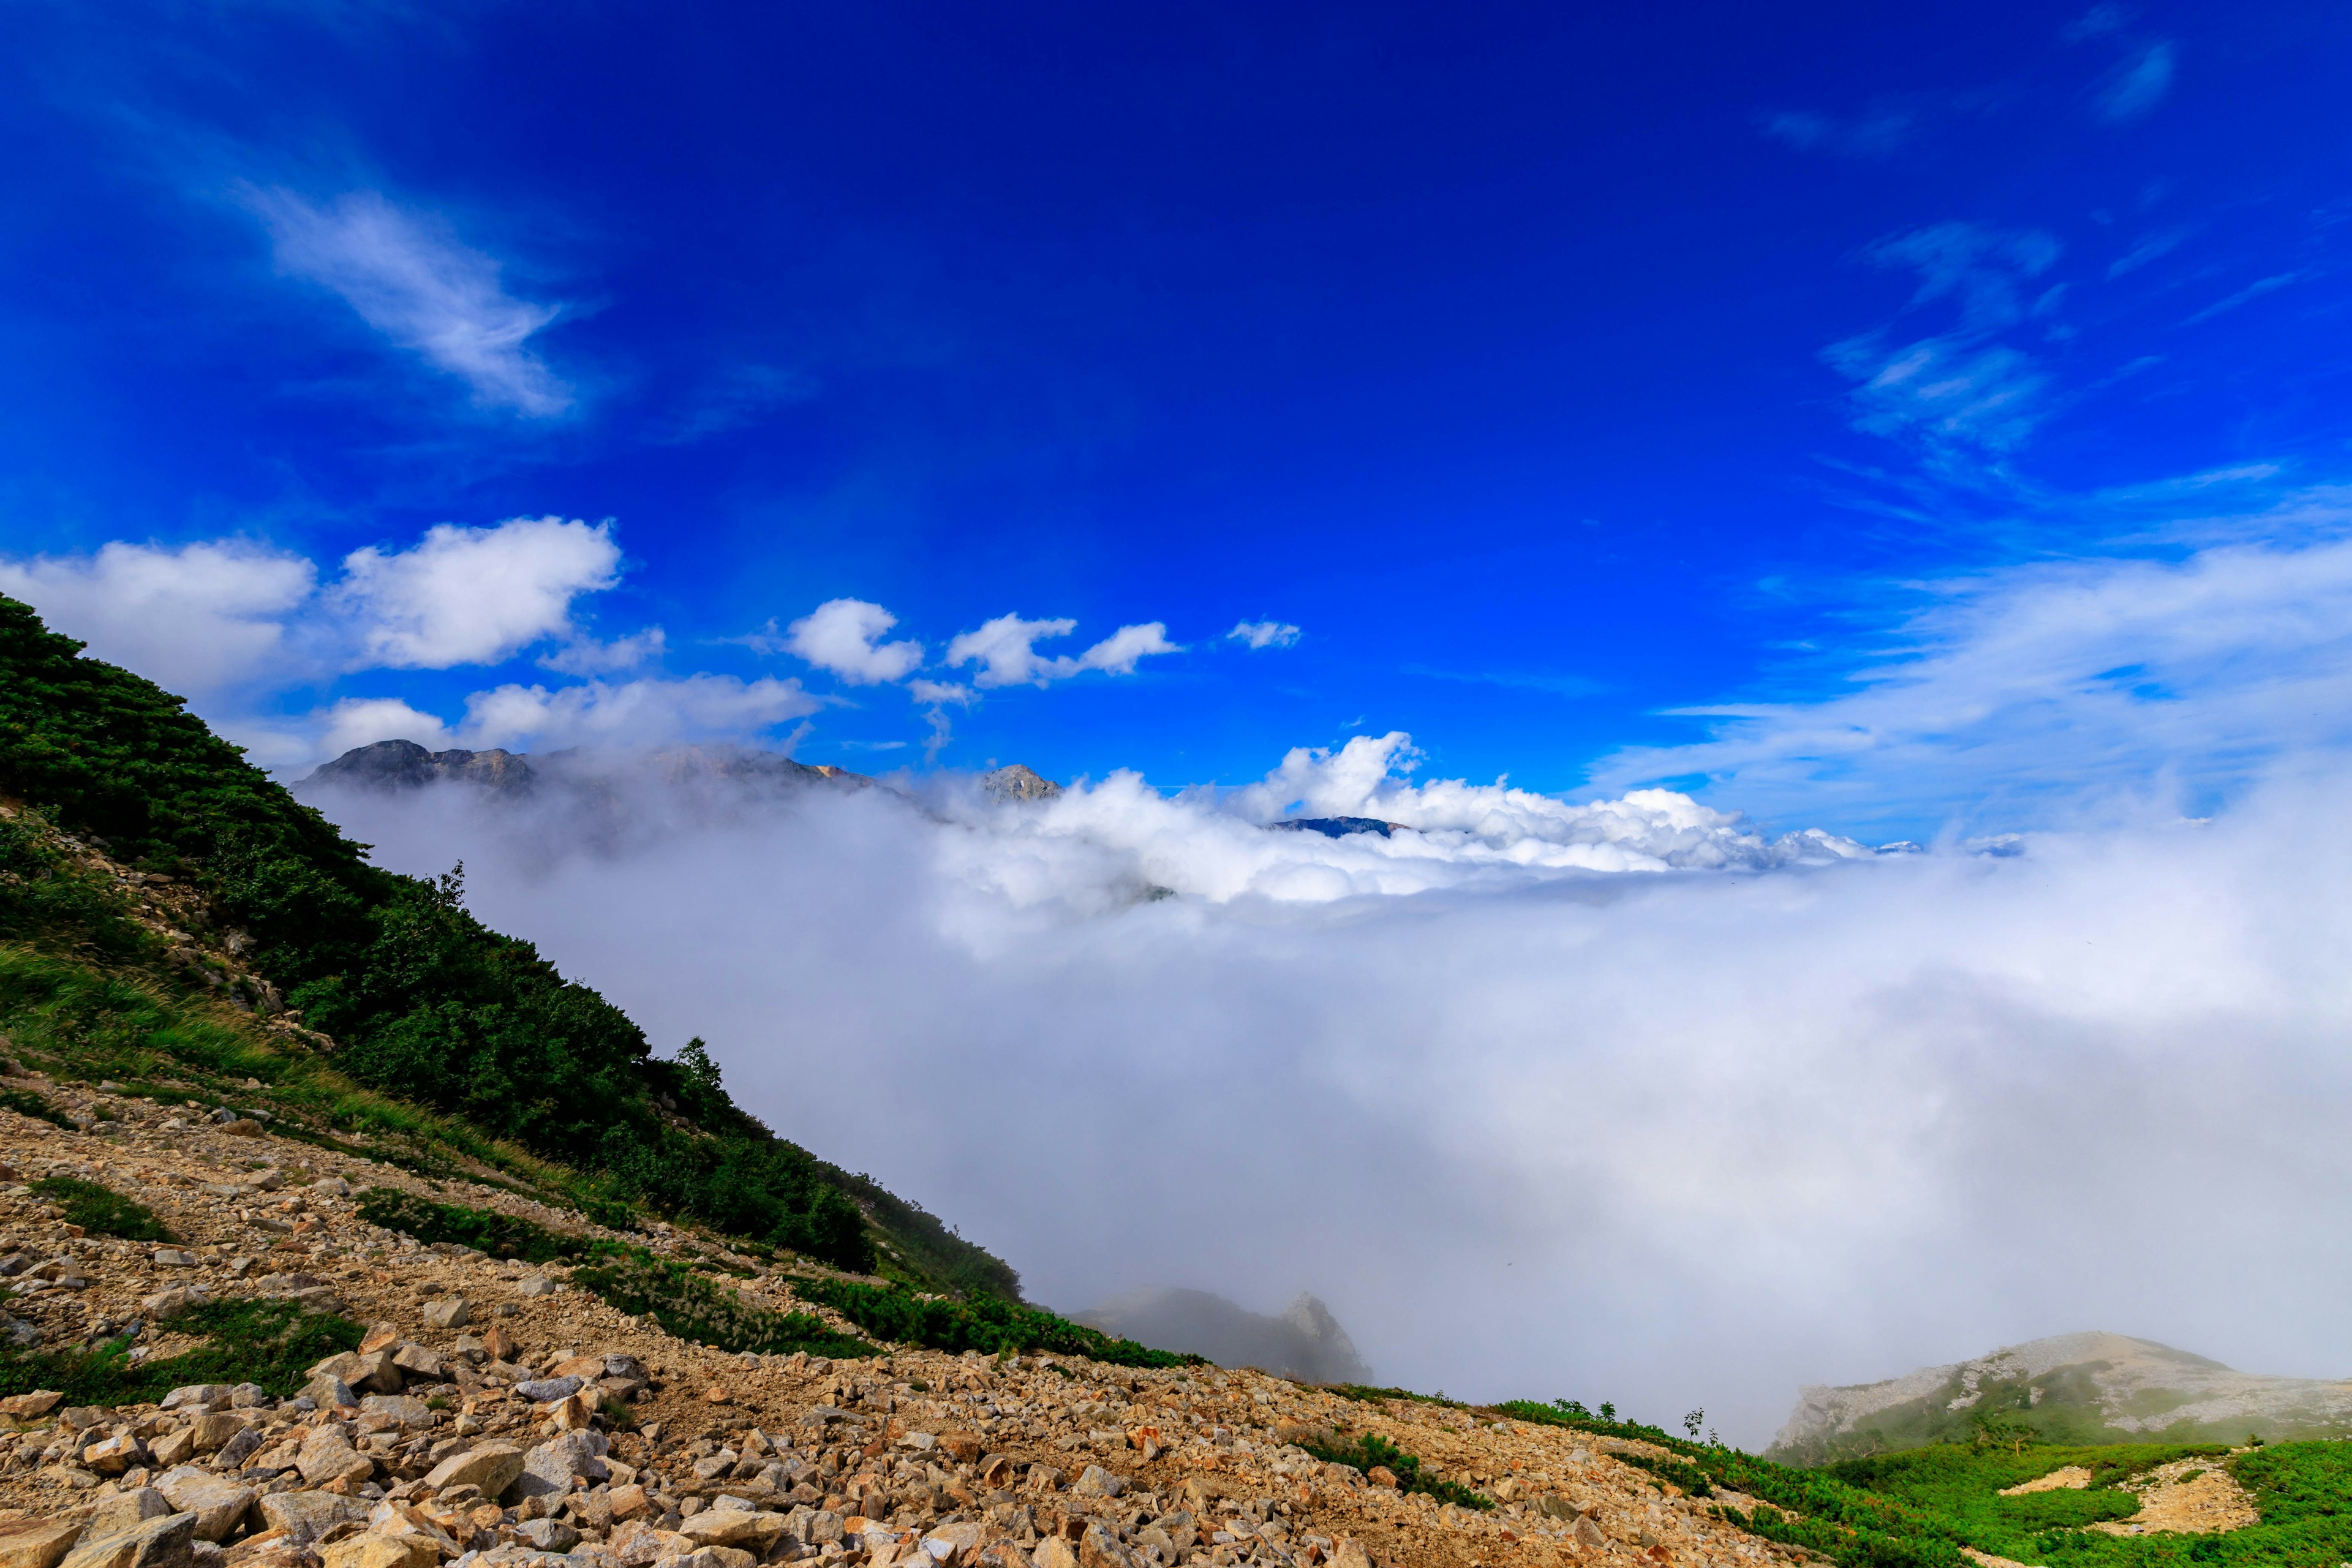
(485,1230)
(685,1304)
(100,1210)
(272,1343)
(1372,1450)
(1918,1508)
(426,1002)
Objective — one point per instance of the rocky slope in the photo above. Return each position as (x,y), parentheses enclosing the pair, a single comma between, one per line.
(2082,1388)
(495,1412)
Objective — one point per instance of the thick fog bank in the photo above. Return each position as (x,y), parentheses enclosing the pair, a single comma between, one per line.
(1623,1102)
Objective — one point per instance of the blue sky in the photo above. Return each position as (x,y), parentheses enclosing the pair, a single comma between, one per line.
(1887,418)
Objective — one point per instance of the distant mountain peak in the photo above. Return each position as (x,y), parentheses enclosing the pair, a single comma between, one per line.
(2088,1388)
(1017,782)
(1306,1342)
(404,765)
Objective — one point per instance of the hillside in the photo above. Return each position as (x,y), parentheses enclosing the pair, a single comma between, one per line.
(2070,1388)
(140,848)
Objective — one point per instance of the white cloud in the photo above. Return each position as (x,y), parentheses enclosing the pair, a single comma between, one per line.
(1263,634)
(589,657)
(413,280)
(1005,650)
(2138,85)
(1118,653)
(635,713)
(473,596)
(1959,390)
(1945,390)
(2057,681)
(1670,1139)
(196,619)
(364,721)
(841,636)
(940,693)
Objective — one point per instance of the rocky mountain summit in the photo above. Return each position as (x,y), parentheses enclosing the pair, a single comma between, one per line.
(495,1411)
(394,766)
(1306,1342)
(2090,1387)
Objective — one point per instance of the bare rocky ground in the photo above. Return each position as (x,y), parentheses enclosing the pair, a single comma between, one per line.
(495,1415)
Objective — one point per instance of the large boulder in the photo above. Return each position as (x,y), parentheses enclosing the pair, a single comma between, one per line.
(492,1467)
(125,1511)
(549,1470)
(168,1541)
(219,1504)
(327,1455)
(306,1516)
(37,1543)
(371,1550)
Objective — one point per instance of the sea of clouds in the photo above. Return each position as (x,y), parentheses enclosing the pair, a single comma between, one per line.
(1608,1099)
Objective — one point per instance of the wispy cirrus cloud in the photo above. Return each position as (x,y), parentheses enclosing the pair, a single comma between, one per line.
(2060,682)
(408,275)
(1875,134)
(1957,393)
(2138,84)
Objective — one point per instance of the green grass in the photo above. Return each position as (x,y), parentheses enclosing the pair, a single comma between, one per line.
(102,1211)
(985,1323)
(485,1230)
(1371,1449)
(1916,1509)
(273,1343)
(685,1304)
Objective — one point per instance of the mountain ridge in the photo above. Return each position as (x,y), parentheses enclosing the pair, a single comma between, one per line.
(2090,1386)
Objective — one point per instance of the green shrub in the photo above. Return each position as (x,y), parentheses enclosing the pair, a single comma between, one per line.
(984,1323)
(1364,1394)
(101,1210)
(1371,1449)
(684,1303)
(485,1230)
(273,1343)
(423,1001)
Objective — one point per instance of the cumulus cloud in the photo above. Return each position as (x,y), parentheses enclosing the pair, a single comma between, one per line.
(1263,634)
(413,280)
(364,720)
(1633,1103)
(198,618)
(1005,649)
(473,596)
(844,635)
(2099,678)
(1118,653)
(632,714)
